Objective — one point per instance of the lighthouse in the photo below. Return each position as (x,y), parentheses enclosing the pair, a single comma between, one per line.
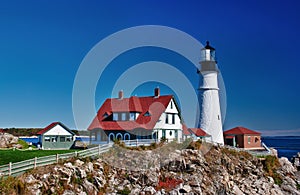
(208,93)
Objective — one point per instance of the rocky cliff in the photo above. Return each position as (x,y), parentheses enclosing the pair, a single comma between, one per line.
(188,171)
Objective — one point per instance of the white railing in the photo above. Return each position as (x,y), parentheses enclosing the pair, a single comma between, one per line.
(14,169)
(139,142)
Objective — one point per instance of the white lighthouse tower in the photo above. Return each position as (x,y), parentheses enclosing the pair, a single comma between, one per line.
(210,114)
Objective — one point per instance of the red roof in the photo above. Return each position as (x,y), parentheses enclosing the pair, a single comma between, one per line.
(240,131)
(185,130)
(51,126)
(198,132)
(152,104)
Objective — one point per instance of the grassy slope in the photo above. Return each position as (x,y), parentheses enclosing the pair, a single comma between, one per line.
(7,156)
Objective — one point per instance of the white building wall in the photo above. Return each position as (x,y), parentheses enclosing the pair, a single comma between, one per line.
(167,128)
(57,130)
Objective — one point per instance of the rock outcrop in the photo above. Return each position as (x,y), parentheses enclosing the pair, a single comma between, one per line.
(219,171)
(296,161)
(9,141)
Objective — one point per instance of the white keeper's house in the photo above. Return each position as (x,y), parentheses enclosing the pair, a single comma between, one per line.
(151,117)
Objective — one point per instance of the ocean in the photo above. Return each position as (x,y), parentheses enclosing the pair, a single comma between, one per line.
(34,140)
(287,146)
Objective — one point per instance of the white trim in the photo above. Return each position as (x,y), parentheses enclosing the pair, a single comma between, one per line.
(126,135)
(121,136)
(113,135)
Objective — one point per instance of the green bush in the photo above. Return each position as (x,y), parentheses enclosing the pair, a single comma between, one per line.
(277,179)
(11,185)
(23,143)
(125,191)
(271,164)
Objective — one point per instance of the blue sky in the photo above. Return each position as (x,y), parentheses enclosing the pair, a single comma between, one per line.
(42,44)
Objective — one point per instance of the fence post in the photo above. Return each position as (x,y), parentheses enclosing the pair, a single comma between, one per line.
(35,159)
(75,153)
(136,142)
(99,148)
(9,168)
(56,158)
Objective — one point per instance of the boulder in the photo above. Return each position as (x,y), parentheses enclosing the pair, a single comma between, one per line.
(9,141)
(286,166)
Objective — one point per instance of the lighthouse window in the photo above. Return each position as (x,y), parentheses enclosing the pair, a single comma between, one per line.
(218,117)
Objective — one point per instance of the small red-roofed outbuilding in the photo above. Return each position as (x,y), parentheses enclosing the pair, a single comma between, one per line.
(243,138)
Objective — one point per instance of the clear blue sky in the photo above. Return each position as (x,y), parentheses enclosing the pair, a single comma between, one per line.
(42,44)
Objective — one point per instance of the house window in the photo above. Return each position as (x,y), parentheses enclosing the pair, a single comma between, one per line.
(173,118)
(123,116)
(171,105)
(47,139)
(167,119)
(171,133)
(147,114)
(132,116)
(69,139)
(105,115)
(62,139)
(115,116)
(53,139)
(249,139)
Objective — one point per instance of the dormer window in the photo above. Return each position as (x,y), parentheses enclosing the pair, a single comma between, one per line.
(115,116)
(147,114)
(125,116)
(105,115)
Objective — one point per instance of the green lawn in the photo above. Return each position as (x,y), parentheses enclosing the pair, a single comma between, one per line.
(7,156)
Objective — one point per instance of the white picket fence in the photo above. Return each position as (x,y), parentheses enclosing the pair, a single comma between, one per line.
(14,169)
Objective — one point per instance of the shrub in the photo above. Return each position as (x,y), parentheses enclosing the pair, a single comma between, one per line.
(163,139)
(277,179)
(11,185)
(119,143)
(143,147)
(271,163)
(195,145)
(23,143)
(153,145)
(167,183)
(125,191)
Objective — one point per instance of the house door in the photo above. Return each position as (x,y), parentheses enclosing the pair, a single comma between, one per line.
(154,135)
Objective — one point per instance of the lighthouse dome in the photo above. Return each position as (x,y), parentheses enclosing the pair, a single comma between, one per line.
(208,47)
